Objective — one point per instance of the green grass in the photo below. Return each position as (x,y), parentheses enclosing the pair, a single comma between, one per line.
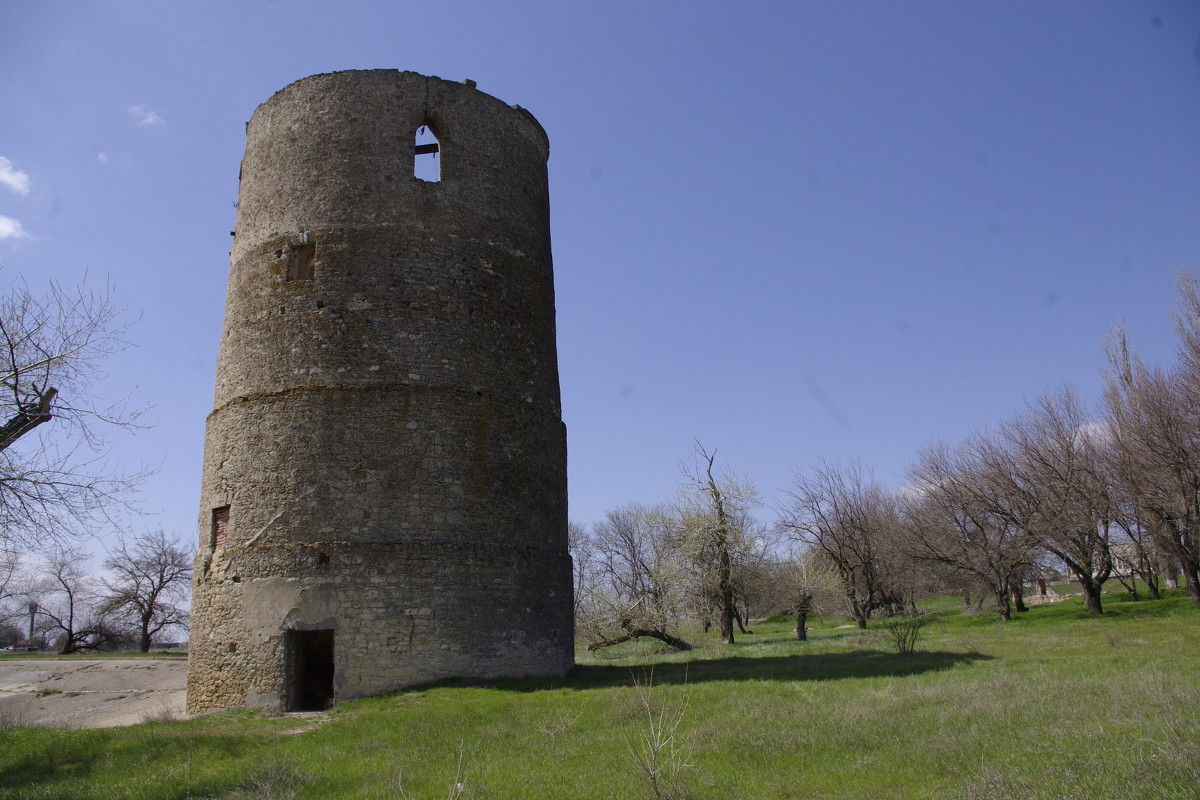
(1055,704)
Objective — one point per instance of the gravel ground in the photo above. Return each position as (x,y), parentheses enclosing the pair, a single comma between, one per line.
(91,693)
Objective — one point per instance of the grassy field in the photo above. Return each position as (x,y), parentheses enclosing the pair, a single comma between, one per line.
(1052,705)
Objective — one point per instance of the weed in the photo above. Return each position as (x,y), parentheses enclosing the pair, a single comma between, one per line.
(278,780)
(661,752)
(457,786)
(905,630)
(163,712)
(972,643)
(561,723)
(11,718)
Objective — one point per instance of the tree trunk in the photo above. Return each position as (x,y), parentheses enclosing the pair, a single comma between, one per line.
(1133,592)
(28,417)
(858,613)
(1004,605)
(802,625)
(737,617)
(725,575)
(727,623)
(1091,596)
(634,633)
(1193,585)
(1018,600)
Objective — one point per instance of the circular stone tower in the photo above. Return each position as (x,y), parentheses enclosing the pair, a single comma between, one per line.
(384,491)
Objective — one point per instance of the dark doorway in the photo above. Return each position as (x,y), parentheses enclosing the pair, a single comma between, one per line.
(310,664)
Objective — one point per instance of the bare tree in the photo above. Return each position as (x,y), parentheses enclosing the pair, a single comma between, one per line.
(10,564)
(718,535)
(149,582)
(10,568)
(956,518)
(843,513)
(1153,416)
(1052,485)
(64,603)
(583,567)
(54,479)
(1134,552)
(639,590)
(1132,562)
(806,582)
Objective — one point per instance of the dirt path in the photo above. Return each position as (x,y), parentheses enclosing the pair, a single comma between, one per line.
(91,693)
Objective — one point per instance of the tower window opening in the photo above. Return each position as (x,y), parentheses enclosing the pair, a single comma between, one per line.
(426,160)
(303,262)
(220,526)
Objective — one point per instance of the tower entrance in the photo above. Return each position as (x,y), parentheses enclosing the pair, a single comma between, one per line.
(310,670)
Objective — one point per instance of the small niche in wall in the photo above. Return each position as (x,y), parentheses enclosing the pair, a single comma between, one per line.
(302,262)
(427,156)
(220,527)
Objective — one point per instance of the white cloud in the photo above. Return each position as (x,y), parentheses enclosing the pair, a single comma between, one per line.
(11,229)
(13,178)
(102,158)
(145,116)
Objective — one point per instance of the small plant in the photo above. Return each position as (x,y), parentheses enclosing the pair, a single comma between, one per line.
(47,692)
(457,787)
(12,718)
(905,630)
(163,712)
(560,724)
(279,780)
(660,753)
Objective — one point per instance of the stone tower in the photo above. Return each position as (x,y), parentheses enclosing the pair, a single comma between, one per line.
(384,491)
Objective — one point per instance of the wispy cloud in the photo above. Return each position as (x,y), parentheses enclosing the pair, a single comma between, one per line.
(13,178)
(145,116)
(11,229)
(102,158)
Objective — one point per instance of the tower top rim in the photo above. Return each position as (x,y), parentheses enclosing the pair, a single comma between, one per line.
(465,85)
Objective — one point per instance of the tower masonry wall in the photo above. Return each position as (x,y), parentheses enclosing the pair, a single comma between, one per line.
(385,458)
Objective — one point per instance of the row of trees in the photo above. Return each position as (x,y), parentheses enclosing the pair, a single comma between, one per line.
(1115,493)
(52,601)
(1110,494)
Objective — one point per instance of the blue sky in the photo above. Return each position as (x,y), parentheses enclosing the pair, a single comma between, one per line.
(791,230)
